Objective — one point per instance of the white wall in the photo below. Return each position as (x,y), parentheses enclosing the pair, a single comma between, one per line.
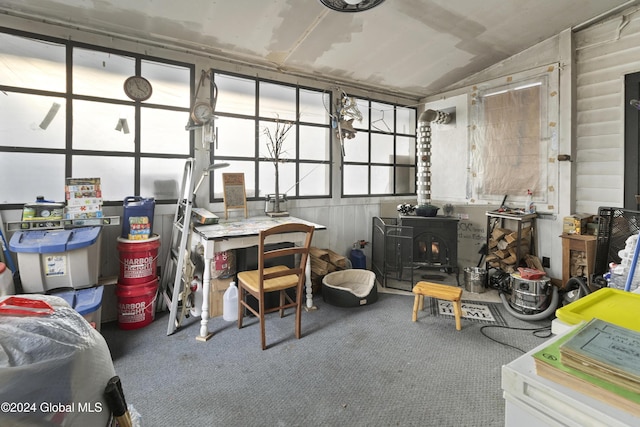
(593,62)
(604,54)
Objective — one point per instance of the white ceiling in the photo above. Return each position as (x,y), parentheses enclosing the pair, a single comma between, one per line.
(412,47)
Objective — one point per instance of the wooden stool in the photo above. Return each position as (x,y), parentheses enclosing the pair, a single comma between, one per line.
(435,290)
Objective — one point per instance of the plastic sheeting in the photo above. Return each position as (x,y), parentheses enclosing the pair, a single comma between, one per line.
(53,369)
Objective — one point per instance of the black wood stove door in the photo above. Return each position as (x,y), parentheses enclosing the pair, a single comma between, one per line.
(435,240)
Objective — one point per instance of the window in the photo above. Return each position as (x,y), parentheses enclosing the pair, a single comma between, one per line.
(245,108)
(513,135)
(65,114)
(380,159)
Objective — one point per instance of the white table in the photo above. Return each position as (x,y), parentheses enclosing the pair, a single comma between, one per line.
(242,233)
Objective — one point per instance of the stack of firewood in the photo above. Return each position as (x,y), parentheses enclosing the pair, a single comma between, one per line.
(323,262)
(505,248)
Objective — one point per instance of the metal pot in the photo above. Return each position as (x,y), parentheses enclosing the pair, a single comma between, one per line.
(427,210)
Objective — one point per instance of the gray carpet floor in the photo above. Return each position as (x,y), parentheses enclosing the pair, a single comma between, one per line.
(364,366)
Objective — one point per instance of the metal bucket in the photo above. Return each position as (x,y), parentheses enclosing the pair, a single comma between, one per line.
(530,296)
(475,279)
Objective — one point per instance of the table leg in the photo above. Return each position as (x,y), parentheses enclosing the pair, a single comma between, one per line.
(309,286)
(204,316)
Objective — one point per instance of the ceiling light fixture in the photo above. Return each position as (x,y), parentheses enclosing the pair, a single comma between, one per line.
(351,5)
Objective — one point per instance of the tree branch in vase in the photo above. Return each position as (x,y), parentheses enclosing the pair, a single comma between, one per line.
(275,144)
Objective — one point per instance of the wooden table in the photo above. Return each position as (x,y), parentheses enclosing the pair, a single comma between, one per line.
(241,233)
(578,242)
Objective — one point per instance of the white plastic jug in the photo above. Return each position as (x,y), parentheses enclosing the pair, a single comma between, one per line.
(230,303)
(6,281)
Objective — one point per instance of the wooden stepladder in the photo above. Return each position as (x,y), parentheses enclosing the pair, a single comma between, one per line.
(178,267)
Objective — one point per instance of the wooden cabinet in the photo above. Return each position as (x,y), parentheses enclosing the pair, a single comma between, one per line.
(586,245)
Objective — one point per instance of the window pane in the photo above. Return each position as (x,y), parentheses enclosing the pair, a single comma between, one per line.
(356,180)
(32,121)
(405,180)
(381,180)
(162,131)
(248,168)
(363,107)
(287,174)
(381,148)
(37,175)
(405,150)
(382,117)
(315,179)
(102,74)
(277,101)
(170,84)
(235,95)
(314,143)
(162,178)
(357,148)
(287,143)
(116,174)
(31,63)
(314,106)
(236,137)
(512,142)
(405,120)
(103,127)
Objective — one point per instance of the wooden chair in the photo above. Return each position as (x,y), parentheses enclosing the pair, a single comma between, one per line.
(277,278)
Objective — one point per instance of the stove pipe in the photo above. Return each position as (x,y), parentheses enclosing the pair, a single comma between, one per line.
(423,152)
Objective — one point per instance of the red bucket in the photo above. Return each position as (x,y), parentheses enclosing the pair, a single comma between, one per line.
(138,260)
(136,304)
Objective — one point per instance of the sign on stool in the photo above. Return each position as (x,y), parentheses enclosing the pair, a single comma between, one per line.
(435,290)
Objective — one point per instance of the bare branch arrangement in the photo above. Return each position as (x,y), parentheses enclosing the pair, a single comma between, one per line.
(275,145)
(276,140)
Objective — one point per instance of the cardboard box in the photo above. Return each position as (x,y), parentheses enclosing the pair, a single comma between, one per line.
(592,228)
(223,264)
(576,223)
(217,288)
(204,217)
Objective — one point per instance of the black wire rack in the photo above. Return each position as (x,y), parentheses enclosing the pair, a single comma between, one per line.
(615,225)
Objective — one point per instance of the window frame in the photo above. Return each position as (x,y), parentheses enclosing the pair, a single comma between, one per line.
(68,151)
(545,182)
(260,159)
(373,132)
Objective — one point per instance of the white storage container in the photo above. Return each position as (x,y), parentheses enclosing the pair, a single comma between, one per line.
(52,259)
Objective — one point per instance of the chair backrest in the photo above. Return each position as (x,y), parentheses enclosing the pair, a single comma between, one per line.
(301,251)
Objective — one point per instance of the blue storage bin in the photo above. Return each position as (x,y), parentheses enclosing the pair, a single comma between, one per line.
(87,302)
(50,241)
(52,259)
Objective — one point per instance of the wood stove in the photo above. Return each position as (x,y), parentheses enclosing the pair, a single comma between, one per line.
(403,247)
(435,242)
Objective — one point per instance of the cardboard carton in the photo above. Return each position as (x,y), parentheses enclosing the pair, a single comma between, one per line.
(576,223)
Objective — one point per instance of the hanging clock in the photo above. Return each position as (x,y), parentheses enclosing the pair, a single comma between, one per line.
(138,88)
(202,113)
